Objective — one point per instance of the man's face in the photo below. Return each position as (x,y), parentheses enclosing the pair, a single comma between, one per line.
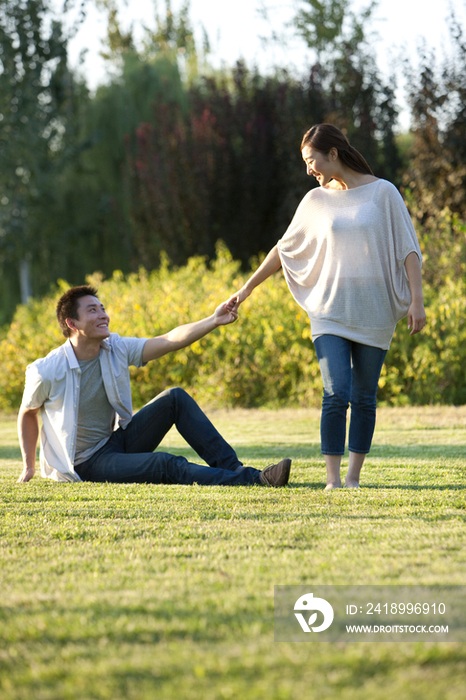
(92,321)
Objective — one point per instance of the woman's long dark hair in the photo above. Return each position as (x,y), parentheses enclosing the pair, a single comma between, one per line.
(324,137)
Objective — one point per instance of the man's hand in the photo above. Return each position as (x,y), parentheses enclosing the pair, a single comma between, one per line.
(226,313)
(26,475)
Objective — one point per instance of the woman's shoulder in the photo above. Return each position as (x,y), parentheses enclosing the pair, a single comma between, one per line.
(316,194)
(390,194)
(309,198)
(388,187)
(319,195)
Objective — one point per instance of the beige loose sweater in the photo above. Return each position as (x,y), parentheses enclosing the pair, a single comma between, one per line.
(343,258)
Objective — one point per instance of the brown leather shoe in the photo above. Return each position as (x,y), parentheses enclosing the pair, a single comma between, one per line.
(276,474)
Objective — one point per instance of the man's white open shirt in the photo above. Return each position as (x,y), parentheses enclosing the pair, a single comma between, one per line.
(53,385)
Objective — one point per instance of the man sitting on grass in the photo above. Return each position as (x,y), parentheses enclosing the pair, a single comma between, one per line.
(83,388)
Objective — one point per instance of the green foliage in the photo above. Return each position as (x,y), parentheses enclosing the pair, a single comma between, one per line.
(435,179)
(228,167)
(355,97)
(429,368)
(62,188)
(265,359)
(322,23)
(33,332)
(34,93)
(169,155)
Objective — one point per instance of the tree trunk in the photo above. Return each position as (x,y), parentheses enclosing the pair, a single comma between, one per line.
(25,280)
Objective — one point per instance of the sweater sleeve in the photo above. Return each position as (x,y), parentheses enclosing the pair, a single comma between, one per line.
(295,241)
(404,234)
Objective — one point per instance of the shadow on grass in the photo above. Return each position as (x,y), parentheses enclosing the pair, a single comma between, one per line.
(307,452)
(421,452)
(304,451)
(320,485)
(10,452)
(416,487)
(125,624)
(311,451)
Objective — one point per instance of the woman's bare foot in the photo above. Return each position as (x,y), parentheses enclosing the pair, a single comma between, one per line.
(351,484)
(333,485)
(356,461)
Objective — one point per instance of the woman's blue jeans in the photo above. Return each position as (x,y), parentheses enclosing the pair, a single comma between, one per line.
(128,456)
(350,373)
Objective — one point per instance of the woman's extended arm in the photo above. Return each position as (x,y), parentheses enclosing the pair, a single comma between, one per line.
(416,311)
(270,265)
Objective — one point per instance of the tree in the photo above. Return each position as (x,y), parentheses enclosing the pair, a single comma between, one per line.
(34,88)
(228,168)
(145,77)
(320,24)
(435,180)
(63,208)
(358,101)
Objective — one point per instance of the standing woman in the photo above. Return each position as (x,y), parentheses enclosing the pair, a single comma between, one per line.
(351,259)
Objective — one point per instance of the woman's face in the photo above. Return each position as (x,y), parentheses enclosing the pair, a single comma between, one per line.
(319,164)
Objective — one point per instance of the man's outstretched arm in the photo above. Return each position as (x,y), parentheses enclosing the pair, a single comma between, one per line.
(28,434)
(185,335)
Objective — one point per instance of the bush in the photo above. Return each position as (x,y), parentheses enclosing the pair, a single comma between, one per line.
(429,368)
(265,359)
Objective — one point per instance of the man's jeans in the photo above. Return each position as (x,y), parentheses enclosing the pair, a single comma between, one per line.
(128,455)
(350,373)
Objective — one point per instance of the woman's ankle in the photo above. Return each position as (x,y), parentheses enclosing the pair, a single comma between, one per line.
(332,464)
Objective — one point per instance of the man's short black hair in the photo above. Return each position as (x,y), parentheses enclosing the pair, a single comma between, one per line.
(67,306)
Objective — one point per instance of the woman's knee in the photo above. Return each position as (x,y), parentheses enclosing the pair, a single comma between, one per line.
(337,395)
(366,403)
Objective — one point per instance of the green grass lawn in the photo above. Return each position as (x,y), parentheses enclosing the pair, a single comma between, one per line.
(166,592)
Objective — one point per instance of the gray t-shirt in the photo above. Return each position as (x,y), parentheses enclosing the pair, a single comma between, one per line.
(96,416)
(53,385)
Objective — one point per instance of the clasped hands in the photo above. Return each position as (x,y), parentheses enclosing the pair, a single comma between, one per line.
(227,312)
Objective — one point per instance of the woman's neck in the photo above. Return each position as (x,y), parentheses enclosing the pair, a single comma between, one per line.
(347,179)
